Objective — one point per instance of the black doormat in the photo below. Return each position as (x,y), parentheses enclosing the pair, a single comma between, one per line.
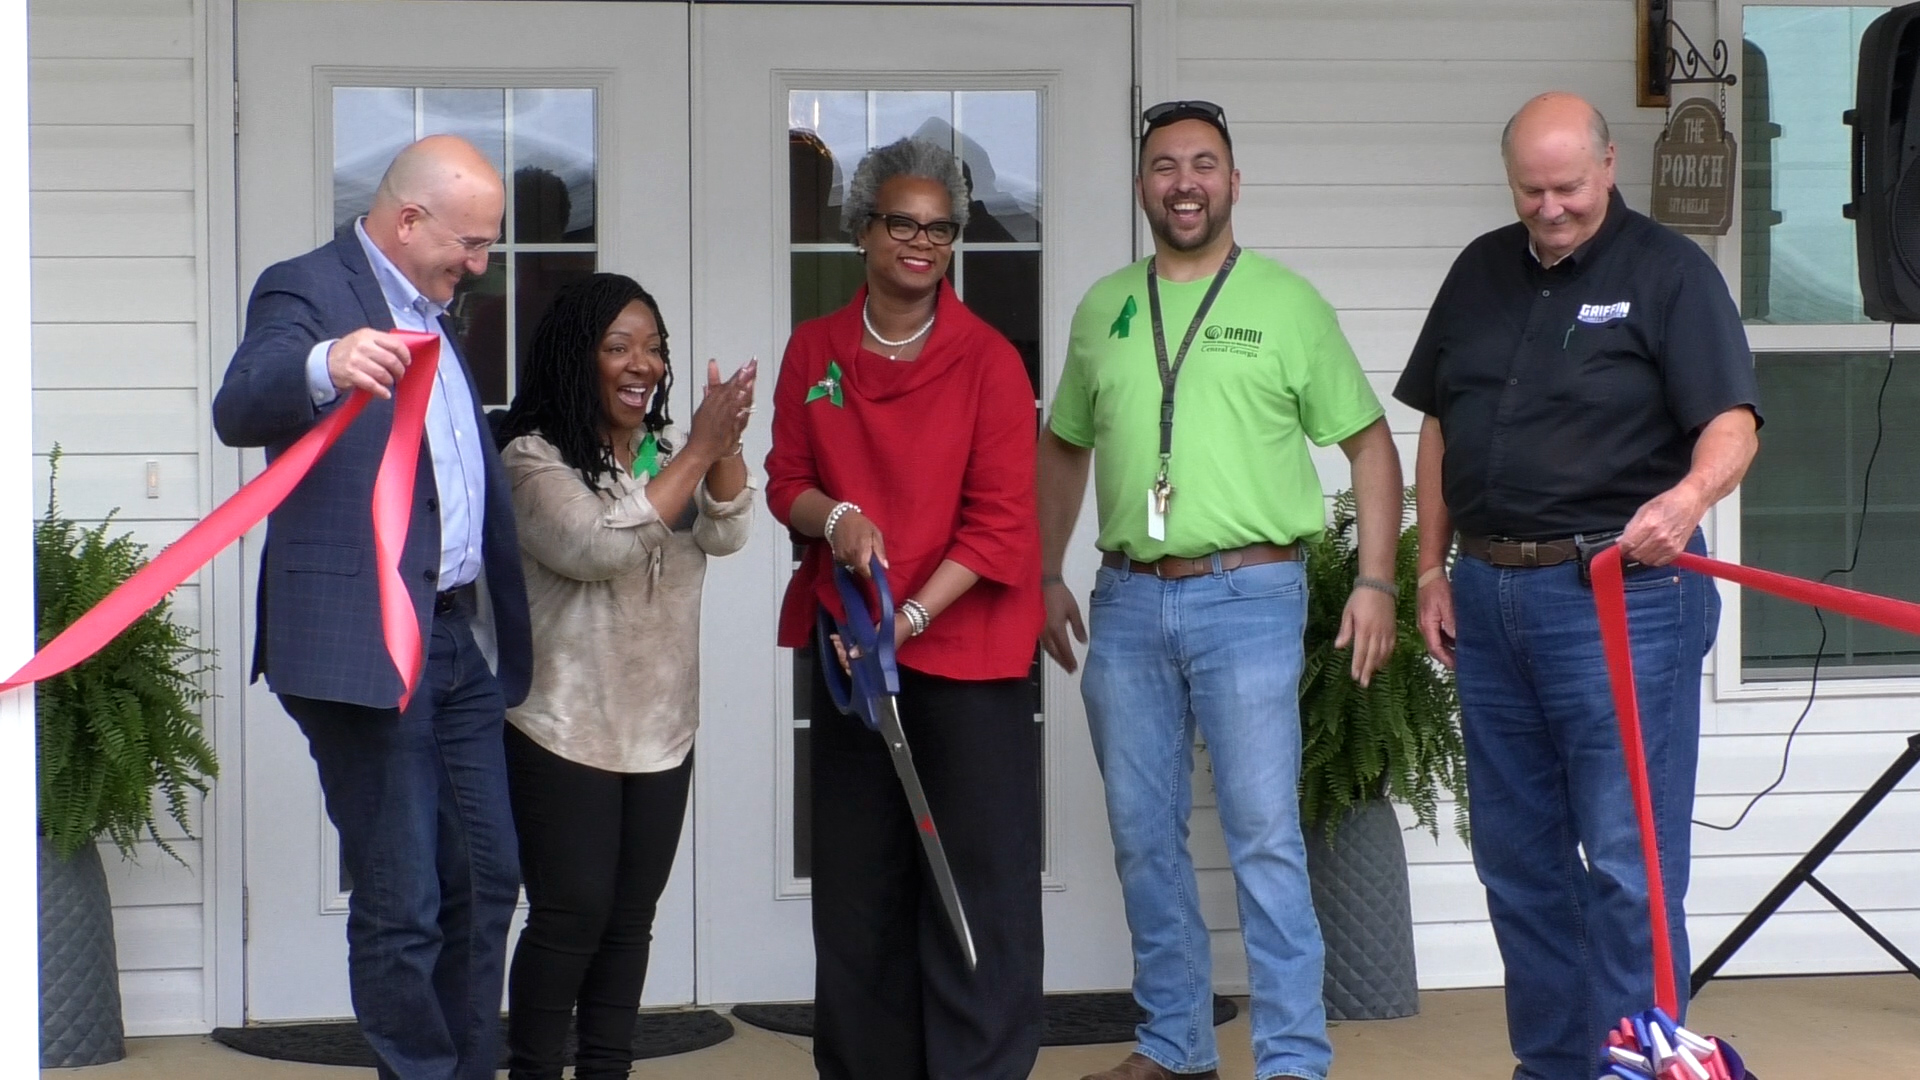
(1070,1019)
(657,1035)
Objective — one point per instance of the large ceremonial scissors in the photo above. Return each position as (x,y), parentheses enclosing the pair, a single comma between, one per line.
(868,687)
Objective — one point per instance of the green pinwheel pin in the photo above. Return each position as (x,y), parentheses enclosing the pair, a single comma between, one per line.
(828,387)
(1122,324)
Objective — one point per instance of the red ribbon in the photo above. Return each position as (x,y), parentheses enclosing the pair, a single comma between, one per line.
(392,496)
(1610,599)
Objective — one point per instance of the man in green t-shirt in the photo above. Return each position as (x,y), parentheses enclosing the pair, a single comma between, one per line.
(1199,605)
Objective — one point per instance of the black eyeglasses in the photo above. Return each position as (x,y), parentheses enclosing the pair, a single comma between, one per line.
(904,229)
(1169,111)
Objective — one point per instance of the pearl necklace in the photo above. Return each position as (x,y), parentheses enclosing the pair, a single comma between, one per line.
(867,318)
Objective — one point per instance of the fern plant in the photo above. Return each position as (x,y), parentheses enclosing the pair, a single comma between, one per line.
(118,727)
(1398,737)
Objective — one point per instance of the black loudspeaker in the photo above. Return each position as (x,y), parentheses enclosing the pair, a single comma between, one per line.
(1886,167)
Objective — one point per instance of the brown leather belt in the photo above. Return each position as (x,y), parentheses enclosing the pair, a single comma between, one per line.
(1528,553)
(1173,567)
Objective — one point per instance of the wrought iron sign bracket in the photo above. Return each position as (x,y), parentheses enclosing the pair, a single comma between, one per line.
(1662,63)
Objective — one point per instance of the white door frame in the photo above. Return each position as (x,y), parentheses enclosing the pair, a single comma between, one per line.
(223,619)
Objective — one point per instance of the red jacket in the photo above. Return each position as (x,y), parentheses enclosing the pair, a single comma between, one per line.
(939,453)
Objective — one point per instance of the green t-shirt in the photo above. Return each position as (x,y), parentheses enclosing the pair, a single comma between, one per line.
(1269,366)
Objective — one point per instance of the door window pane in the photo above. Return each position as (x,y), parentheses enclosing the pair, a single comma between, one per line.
(479,317)
(923,114)
(554,163)
(1800,509)
(996,266)
(1000,149)
(1797,252)
(1003,287)
(823,280)
(475,114)
(543,139)
(370,125)
(541,275)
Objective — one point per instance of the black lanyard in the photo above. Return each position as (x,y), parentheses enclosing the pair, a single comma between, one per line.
(1170,372)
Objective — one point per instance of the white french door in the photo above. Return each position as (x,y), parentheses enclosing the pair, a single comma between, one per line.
(587,109)
(1037,101)
(583,109)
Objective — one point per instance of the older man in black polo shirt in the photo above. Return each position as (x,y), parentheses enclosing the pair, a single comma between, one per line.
(1586,381)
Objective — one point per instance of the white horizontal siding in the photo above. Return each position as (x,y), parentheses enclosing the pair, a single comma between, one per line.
(95,485)
(113,157)
(116,421)
(1366,132)
(107,91)
(116,356)
(118,372)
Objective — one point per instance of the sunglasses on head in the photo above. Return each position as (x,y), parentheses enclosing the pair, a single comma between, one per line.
(1169,111)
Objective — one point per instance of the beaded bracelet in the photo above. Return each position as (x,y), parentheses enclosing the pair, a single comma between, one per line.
(1378,585)
(833,518)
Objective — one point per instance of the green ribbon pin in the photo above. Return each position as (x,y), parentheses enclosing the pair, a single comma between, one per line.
(647,458)
(1127,312)
(828,387)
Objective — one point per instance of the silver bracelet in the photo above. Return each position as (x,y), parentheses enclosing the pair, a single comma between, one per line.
(917,616)
(834,515)
(1375,583)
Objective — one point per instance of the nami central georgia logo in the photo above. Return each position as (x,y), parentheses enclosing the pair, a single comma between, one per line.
(1237,334)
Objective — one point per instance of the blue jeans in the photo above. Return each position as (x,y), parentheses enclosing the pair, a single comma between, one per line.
(420,800)
(1222,651)
(1555,838)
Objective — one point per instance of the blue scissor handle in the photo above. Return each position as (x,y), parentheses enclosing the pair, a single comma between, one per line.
(873,672)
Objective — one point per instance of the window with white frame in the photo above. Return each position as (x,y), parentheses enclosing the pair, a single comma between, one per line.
(1829,389)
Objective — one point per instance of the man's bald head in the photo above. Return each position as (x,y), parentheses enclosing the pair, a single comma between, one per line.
(1559,161)
(435,166)
(436,213)
(1557,113)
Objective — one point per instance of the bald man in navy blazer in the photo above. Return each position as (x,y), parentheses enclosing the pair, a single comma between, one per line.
(419,796)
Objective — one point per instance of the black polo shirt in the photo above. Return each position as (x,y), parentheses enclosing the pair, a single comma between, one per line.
(1570,396)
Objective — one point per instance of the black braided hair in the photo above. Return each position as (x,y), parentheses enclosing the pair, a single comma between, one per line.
(559,396)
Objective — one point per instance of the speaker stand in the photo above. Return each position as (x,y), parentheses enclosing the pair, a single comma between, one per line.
(1802,872)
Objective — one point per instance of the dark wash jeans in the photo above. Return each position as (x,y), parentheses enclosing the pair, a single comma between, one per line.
(893,998)
(420,800)
(1555,838)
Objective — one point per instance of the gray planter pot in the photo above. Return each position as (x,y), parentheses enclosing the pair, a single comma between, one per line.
(79,970)
(1361,894)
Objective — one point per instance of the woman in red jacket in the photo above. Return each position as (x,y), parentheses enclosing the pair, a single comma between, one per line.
(904,429)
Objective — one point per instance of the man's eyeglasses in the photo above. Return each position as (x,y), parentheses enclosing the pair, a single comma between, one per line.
(474,245)
(904,229)
(1169,111)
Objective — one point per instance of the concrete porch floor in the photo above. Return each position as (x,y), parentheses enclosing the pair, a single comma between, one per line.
(1861,1027)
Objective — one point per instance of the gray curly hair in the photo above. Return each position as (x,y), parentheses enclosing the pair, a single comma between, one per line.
(905,157)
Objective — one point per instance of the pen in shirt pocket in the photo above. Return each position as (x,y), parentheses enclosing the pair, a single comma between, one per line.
(1568,340)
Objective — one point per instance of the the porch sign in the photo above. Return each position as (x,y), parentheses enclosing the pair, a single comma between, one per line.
(1694,165)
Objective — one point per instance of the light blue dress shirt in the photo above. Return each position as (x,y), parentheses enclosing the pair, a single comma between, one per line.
(453,434)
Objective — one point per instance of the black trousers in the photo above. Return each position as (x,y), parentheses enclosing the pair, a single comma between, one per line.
(596,848)
(893,997)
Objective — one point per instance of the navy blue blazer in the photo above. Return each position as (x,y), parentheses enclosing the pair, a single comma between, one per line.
(319,633)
